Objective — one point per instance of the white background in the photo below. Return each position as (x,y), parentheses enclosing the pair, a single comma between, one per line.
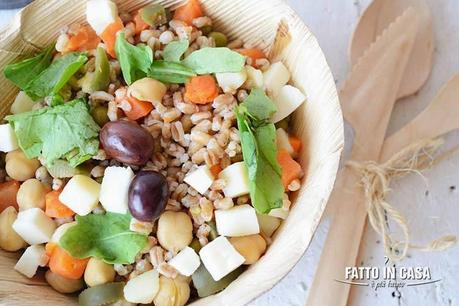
(432,206)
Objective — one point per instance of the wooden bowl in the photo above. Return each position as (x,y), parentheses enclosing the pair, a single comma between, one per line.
(269,24)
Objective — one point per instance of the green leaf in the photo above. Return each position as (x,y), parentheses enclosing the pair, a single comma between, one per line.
(170,72)
(103,236)
(65,131)
(259,150)
(23,72)
(215,60)
(174,50)
(53,78)
(135,61)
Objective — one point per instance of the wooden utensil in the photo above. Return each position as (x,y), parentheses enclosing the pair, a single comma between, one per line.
(439,118)
(378,15)
(369,95)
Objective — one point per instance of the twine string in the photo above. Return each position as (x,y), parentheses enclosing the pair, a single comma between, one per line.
(375,180)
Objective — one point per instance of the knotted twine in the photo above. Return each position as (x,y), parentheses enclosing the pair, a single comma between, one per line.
(375,180)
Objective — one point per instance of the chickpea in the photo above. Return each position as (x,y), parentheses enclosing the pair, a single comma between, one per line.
(19,167)
(32,194)
(175,231)
(172,292)
(9,239)
(147,89)
(98,272)
(251,247)
(62,284)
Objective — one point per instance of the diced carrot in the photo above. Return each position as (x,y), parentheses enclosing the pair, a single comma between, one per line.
(191,10)
(201,89)
(138,109)
(291,170)
(254,54)
(84,39)
(55,208)
(65,265)
(215,170)
(295,142)
(8,192)
(109,36)
(140,25)
(49,248)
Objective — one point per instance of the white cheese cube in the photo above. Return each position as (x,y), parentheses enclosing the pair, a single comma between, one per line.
(282,141)
(142,289)
(238,221)
(279,213)
(33,257)
(34,226)
(276,77)
(114,189)
(287,101)
(254,78)
(236,180)
(220,257)
(8,141)
(186,261)
(100,14)
(200,179)
(23,103)
(60,231)
(231,81)
(81,194)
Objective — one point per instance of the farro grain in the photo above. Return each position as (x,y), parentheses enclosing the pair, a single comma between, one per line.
(225,203)
(202,234)
(243,200)
(97,171)
(294,185)
(166,37)
(156,256)
(202,21)
(237,43)
(167,270)
(198,117)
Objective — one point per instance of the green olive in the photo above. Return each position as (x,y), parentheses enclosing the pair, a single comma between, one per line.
(99,113)
(206,29)
(220,39)
(195,245)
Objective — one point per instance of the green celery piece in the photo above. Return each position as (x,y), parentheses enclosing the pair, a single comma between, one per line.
(135,61)
(154,14)
(23,72)
(64,131)
(100,78)
(259,150)
(53,78)
(170,72)
(106,294)
(103,236)
(174,50)
(215,60)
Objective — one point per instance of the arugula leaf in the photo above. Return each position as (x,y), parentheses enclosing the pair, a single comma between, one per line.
(259,150)
(170,72)
(103,236)
(135,61)
(23,72)
(174,50)
(65,131)
(215,60)
(53,78)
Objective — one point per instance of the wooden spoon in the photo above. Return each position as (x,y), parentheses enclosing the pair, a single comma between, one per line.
(376,18)
(439,118)
(368,95)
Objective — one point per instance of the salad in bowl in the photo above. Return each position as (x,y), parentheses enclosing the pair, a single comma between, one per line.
(146,158)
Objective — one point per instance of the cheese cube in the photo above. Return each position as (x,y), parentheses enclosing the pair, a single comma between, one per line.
(276,77)
(186,261)
(231,81)
(200,179)
(114,189)
(254,78)
(236,179)
(33,257)
(282,141)
(287,101)
(34,226)
(238,221)
(142,289)
(100,14)
(81,194)
(23,103)
(8,141)
(220,257)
